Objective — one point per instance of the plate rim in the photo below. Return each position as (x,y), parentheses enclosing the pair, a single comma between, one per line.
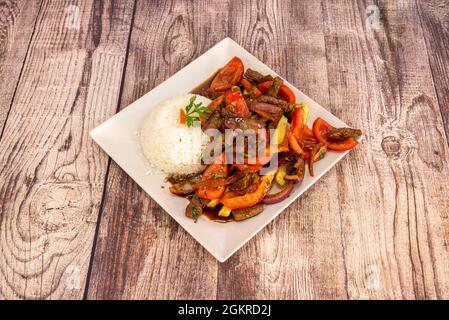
(94,134)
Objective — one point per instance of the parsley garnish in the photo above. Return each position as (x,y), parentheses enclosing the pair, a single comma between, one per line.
(194,111)
(217,175)
(195,213)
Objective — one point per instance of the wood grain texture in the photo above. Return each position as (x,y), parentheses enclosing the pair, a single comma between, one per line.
(142,253)
(17,21)
(393,192)
(374,227)
(434,16)
(294,250)
(51,173)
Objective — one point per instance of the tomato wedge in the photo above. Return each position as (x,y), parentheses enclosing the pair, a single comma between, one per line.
(264,86)
(229,76)
(287,94)
(320,129)
(284,92)
(236,99)
(213,171)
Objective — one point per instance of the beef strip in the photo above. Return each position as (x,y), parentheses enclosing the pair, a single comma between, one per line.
(183,188)
(246,213)
(265,107)
(256,77)
(267,111)
(340,134)
(241,185)
(177,178)
(274,89)
(195,208)
(243,123)
(277,102)
(299,169)
(215,121)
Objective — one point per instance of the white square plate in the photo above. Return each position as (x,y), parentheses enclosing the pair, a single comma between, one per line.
(117,136)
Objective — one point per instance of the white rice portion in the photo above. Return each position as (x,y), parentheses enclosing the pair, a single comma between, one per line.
(168,145)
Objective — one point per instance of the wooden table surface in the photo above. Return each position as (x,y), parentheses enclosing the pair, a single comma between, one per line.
(73,225)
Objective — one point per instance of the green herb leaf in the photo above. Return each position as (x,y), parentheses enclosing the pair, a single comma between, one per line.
(217,175)
(194,111)
(195,213)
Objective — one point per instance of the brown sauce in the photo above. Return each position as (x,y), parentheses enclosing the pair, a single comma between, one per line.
(212,214)
(203,88)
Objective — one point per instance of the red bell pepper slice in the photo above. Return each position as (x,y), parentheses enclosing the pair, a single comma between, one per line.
(249,199)
(294,145)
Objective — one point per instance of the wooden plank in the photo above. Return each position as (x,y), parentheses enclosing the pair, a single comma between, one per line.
(51,173)
(393,192)
(141,252)
(300,254)
(17,20)
(435,23)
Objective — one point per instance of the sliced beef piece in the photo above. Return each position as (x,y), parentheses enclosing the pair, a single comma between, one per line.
(256,77)
(340,134)
(299,169)
(267,111)
(286,107)
(193,177)
(195,208)
(266,107)
(241,185)
(286,158)
(274,89)
(243,214)
(243,123)
(228,111)
(183,188)
(215,121)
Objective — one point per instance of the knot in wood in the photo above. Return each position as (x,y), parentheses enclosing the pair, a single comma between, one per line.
(392,147)
(56,205)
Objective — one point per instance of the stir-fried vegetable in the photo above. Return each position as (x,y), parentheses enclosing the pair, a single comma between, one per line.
(280,196)
(280,175)
(285,92)
(321,129)
(212,193)
(252,198)
(281,130)
(229,76)
(251,100)
(237,102)
(213,203)
(224,212)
